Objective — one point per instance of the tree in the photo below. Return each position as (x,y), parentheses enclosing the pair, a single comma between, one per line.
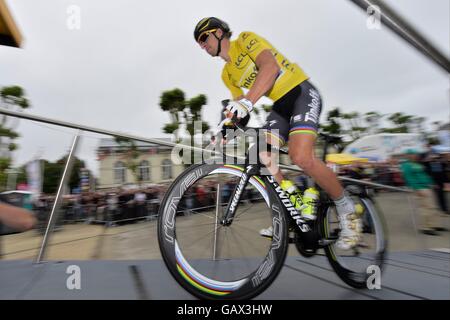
(53,173)
(373,119)
(173,101)
(193,113)
(401,122)
(182,111)
(12,98)
(333,126)
(4,165)
(416,124)
(354,124)
(186,112)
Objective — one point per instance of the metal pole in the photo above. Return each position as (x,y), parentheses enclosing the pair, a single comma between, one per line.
(217,215)
(96,130)
(56,205)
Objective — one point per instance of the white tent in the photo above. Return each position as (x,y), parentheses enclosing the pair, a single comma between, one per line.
(380,147)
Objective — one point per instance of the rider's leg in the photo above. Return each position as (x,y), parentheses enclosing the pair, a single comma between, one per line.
(276,135)
(270,160)
(301,152)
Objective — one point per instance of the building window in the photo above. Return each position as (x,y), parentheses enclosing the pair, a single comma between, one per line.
(166,169)
(144,171)
(119,172)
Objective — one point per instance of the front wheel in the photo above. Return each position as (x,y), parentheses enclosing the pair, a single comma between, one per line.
(215,261)
(356,265)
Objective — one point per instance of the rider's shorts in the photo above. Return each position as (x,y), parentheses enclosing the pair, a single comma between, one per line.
(297,112)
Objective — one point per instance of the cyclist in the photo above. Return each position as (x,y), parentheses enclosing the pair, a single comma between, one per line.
(253,63)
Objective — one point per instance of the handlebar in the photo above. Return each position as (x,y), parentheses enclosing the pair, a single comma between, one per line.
(256,132)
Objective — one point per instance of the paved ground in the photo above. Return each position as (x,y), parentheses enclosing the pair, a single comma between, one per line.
(408,276)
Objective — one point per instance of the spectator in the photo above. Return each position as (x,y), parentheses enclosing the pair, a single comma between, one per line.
(111,203)
(226,192)
(435,167)
(418,180)
(356,172)
(140,199)
(201,195)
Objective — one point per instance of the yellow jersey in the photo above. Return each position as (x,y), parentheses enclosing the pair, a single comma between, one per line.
(241,71)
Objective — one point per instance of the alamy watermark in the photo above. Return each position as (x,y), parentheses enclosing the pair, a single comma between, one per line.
(374,280)
(73,21)
(373,21)
(73,281)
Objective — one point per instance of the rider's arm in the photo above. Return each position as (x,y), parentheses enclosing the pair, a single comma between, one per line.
(16,218)
(260,51)
(268,71)
(236,92)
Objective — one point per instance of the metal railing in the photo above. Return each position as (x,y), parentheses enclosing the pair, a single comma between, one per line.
(68,166)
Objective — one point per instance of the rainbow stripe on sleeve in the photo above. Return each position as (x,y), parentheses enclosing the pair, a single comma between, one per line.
(303,130)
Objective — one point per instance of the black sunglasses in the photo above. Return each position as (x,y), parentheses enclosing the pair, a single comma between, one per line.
(204,36)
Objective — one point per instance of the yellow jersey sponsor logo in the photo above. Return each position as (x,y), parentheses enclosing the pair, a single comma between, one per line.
(241,71)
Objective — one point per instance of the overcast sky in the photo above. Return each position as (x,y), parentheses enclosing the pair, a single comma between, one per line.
(110,73)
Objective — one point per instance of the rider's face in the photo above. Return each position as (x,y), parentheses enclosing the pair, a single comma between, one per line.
(209,42)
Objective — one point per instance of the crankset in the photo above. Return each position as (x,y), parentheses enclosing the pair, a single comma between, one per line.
(306,242)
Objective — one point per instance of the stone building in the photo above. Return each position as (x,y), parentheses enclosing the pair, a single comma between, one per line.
(153,164)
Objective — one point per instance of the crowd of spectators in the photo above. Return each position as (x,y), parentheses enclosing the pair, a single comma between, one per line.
(119,206)
(436,166)
(111,207)
(203,195)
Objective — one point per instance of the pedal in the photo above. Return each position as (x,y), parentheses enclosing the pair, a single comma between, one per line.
(326,242)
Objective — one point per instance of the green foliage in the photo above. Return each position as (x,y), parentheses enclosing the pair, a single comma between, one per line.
(5,132)
(14,95)
(4,164)
(12,147)
(355,125)
(333,126)
(53,173)
(182,111)
(334,113)
(172,100)
(170,127)
(195,106)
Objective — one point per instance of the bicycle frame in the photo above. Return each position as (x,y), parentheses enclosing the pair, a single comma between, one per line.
(253,169)
(236,195)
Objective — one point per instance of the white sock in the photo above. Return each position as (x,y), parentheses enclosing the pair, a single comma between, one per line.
(344,205)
